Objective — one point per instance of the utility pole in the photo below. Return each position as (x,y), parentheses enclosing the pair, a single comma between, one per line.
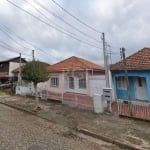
(20,65)
(122,51)
(20,61)
(105,61)
(33,58)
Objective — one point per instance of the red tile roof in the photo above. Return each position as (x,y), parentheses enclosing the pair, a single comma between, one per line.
(139,60)
(75,63)
(16,70)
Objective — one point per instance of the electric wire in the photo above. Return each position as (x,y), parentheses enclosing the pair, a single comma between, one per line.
(76,18)
(37,18)
(61,19)
(27,42)
(11,49)
(40,12)
(13,39)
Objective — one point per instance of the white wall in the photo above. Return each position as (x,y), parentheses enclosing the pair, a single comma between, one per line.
(12,66)
(23,90)
(96,84)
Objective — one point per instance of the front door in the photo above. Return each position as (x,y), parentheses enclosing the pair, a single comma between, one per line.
(140,88)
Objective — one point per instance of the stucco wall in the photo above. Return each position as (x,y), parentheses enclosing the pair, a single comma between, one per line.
(47,85)
(94,84)
(12,66)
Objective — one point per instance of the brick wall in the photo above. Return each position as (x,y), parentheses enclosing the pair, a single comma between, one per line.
(141,111)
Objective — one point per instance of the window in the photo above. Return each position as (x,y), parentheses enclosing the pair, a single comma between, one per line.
(140,82)
(54,81)
(82,83)
(1,65)
(121,82)
(71,82)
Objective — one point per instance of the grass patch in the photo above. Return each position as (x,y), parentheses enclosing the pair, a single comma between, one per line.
(6,91)
(134,140)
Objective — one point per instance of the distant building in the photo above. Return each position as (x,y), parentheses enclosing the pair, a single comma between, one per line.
(7,66)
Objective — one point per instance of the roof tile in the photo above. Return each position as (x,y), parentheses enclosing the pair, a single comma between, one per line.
(75,63)
(138,60)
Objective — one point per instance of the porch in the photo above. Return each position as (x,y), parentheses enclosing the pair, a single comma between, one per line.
(139,85)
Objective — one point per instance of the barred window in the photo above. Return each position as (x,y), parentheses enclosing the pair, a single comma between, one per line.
(82,83)
(121,82)
(71,82)
(54,82)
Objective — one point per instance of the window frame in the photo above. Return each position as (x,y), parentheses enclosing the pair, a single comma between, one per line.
(82,83)
(54,83)
(71,83)
(121,83)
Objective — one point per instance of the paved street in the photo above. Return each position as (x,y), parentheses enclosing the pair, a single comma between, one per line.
(20,131)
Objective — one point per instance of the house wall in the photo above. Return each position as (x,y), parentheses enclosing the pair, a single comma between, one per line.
(76,85)
(12,66)
(4,67)
(64,84)
(122,93)
(57,89)
(94,84)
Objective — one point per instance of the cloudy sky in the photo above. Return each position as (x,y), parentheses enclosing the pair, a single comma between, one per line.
(54,35)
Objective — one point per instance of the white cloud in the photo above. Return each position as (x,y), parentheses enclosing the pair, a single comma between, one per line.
(125,23)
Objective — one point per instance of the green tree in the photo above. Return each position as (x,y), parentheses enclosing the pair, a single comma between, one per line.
(35,72)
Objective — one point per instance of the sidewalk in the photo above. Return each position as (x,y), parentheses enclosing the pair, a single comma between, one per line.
(132,132)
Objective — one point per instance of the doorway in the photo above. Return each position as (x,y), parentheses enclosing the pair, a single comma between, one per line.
(140,88)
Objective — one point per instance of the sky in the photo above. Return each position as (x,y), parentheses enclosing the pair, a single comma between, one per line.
(54,35)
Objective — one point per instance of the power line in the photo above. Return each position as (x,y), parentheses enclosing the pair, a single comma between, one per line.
(37,18)
(81,32)
(76,18)
(13,39)
(19,37)
(61,19)
(10,49)
(8,46)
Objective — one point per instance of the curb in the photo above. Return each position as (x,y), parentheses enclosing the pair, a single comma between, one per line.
(27,111)
(109,140)
(81,130)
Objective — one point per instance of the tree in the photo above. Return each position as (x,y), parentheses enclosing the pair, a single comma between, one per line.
(35,72)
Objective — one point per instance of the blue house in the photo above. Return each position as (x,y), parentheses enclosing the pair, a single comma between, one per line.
(138,66)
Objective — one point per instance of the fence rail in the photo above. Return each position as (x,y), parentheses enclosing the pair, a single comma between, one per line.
(81,101)
(131,109)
